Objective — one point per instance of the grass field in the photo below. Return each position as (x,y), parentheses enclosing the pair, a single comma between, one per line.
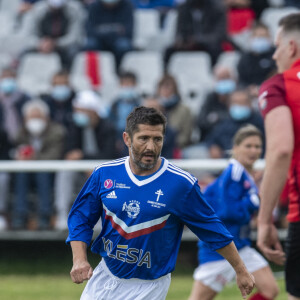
(60,287)
(40,271)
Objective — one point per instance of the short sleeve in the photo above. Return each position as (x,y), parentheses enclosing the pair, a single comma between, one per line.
(272,94)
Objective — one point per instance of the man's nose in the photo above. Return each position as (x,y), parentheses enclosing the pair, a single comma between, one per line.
(150,145)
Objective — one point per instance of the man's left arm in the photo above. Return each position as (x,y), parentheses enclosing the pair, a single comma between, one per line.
(244,279)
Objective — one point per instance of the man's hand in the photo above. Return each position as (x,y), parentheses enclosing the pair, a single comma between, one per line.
(269,244)
(81,271)
(246,283)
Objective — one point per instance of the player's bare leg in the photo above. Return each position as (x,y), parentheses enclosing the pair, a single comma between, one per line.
(201,292)
(265,283)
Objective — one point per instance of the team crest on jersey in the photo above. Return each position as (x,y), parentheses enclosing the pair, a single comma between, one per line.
(247,184)
(108,183)
(132,209)
(262,100)
(156,203)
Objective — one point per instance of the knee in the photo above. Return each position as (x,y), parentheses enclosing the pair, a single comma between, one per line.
(271,292)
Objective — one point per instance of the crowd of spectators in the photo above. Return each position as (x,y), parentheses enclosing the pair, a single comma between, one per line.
(71,124)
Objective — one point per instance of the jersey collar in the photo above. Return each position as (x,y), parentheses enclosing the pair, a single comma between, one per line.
(149,179)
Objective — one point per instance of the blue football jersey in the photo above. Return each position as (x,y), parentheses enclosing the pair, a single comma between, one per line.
(234,197)
(142,220)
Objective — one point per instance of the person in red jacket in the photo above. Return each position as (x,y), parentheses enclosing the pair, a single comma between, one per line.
(279,104)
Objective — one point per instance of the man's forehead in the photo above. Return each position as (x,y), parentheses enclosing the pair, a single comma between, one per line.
(143,128)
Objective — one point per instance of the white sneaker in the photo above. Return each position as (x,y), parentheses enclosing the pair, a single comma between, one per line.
(61,223)
(3,223)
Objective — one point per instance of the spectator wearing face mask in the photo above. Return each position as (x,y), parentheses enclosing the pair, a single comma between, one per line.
(12,100)
(38,139)
(215,106)
(179,116)
(241,113)
(60,99)
(127,99)
(58,26)
(91,136)
(110,27)
(257,64)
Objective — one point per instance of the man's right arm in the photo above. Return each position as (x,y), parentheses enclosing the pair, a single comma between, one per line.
(280,144)
(81,269)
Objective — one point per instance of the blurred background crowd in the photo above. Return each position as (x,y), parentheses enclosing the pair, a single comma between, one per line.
(71,71)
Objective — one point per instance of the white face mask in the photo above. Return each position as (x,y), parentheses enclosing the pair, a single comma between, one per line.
(36,126)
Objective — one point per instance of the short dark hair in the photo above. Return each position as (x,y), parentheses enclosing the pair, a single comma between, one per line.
(127,75)
(290,22)
(259,24)
(144,115)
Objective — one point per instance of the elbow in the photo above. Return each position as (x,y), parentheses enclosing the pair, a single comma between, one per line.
(284,152)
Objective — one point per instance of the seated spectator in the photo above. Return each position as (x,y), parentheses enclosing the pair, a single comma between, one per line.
(215,106)
(201,26)
(4,180)
(110,27)
(58,25)
(60,99)
(39,139)
(11,101)
(257,64)
(169,149)
(90,137)
(127,99)
(179,116)
(11,120)
(241,113)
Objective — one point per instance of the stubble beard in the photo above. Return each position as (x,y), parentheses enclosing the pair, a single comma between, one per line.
(136,157)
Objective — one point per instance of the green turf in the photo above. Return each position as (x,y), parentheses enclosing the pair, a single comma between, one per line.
(60,287)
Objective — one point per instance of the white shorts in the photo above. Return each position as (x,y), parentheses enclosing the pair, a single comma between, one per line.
(217,274)
(103,285)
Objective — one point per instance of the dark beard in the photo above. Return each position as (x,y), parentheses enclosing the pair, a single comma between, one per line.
(137,160)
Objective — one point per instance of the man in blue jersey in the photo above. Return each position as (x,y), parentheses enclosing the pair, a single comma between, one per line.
(144,202)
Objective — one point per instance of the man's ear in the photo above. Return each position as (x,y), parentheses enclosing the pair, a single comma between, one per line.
(126,139)
(293,48)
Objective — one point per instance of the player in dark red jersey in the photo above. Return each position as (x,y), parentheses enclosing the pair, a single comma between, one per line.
(280,105)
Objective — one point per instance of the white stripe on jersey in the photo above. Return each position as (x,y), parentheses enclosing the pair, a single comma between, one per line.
(182,173)
(149,179)
(237,170)
(116,162)
(137,227)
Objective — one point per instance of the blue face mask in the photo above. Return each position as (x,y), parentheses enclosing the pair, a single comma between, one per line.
(239,112)
(61,93)
(81,119)
(169,102)
(8,85)
(260,45)
(225,86)
(128,93)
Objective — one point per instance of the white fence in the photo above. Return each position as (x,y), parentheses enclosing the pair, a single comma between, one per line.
(192,165)
(84,165)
